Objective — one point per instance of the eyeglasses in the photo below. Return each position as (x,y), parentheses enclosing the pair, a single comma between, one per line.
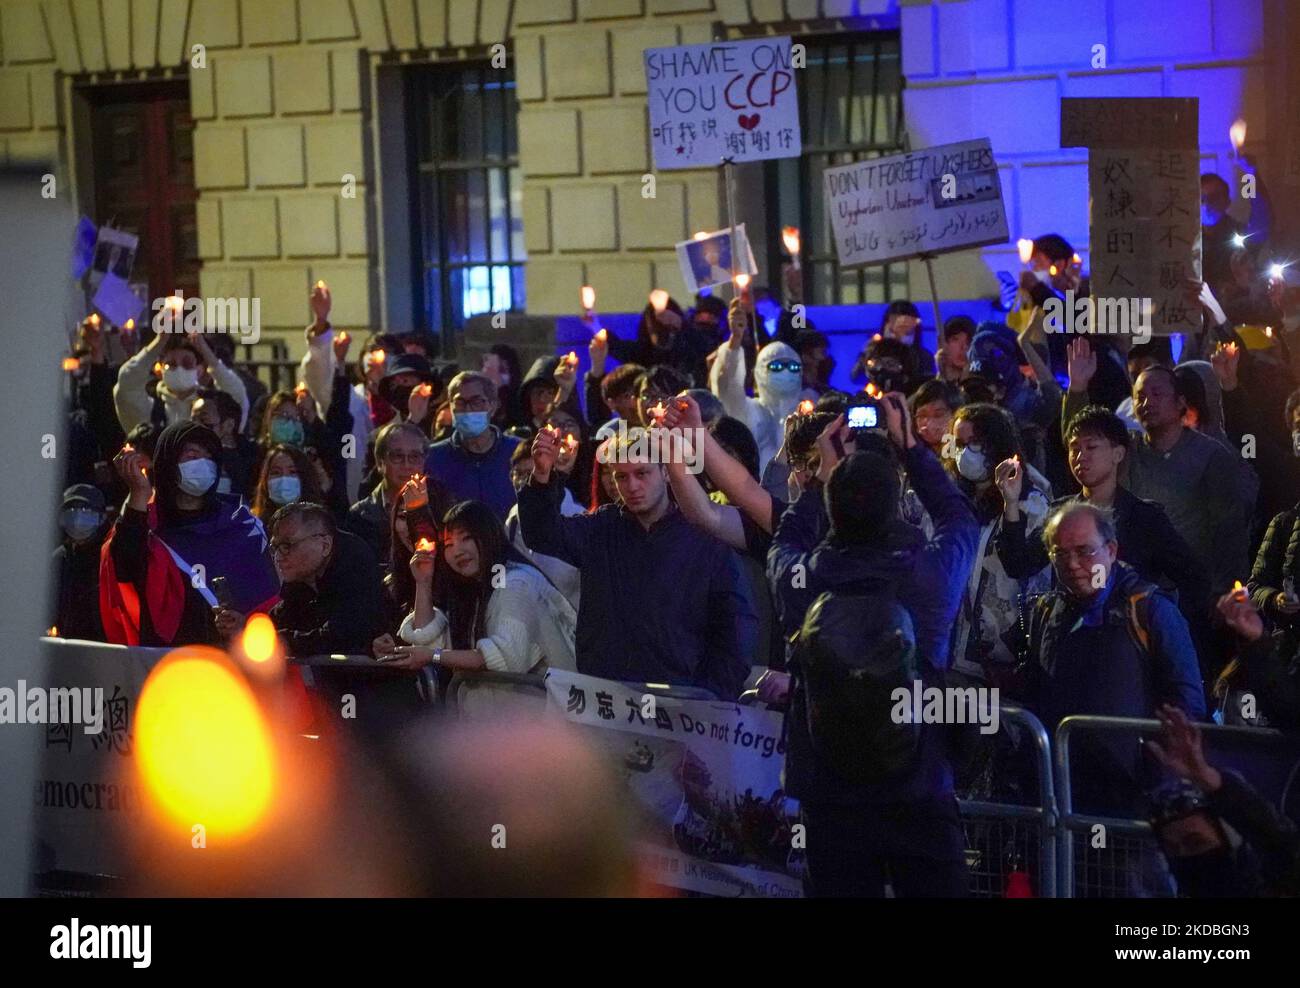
(285,546)
(478,404)
(1065,556)
(404,459)
(777,366)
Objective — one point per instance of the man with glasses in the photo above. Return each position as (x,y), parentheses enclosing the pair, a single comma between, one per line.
(331,598)
(474,464)
(1106,642)
(400,451)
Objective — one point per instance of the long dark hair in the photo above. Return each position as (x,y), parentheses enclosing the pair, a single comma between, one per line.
(263,506)
(420,523)
(996,432)
(464,600)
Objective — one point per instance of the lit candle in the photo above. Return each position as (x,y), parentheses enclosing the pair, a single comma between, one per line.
(602,336)
(806,407)
(701,235)
(1237,134)
(94,319)
(1268,331)
(790,237)
(130,326)
(424,545)
(1052,271)
(658,411)
(157,369)
(1026,249)
(659,299)
(571,442)
(424,390)
(873,390)
(742,281)
(588,298)
(572,359)
(320,285)
(71,363)
(175,303)
(378,356)
(344,338)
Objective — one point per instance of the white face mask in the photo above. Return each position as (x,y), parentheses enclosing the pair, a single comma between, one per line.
(972,465)
(179,380)
(198,477)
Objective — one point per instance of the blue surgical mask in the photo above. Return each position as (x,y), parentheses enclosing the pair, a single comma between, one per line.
(470,425)
(284,490)
(285,430)
(198,476)
(80,524)
(972,465)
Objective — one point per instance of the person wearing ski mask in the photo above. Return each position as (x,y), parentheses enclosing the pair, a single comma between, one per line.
(76,563)
(474,464)
(175,536)
(185,361)
(778,383)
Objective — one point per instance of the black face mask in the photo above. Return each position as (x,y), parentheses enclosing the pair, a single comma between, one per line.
(1211,875)
(400,398)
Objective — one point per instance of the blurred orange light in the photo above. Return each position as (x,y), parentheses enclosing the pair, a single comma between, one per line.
(806,407)
(203,748)
(94,318)
(259,639)
(790,237)
(71,363)
(424,545)
(588,297)
(130,325)
(602,335)
(742,281)
(344,337)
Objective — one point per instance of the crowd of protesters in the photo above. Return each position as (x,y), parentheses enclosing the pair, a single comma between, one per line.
(1088,526)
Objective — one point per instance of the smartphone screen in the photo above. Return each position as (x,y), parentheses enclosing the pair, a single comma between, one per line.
(863,417)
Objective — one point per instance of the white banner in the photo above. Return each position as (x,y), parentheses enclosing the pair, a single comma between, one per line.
(933,201)
(725,99)
(85,793)
(706,778)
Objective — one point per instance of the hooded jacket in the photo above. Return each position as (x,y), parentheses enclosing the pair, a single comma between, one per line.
(542,371)
(776,395)
(925,576)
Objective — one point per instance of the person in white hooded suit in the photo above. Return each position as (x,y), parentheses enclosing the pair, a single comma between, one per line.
(778,383)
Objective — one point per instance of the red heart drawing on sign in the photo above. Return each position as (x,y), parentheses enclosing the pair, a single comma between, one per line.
(748,122)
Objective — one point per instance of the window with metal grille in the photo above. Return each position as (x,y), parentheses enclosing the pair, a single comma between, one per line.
(850,109)
(467,191)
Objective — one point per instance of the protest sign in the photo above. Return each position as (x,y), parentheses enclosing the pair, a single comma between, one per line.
(933,201)
(1144,207)
(705,778)
(85,795)
(707,260)
(726,99)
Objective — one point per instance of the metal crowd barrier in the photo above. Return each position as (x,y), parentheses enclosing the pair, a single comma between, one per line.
(1131,853)
(996,832)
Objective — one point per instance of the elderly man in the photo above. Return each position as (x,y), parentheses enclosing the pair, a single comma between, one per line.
(474,464)
(1105,642)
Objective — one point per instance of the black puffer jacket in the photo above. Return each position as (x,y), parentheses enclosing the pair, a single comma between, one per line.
(1278,560)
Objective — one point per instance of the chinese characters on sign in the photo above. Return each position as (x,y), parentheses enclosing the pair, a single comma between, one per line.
(1146,232)
(1144,195)
(732,100)
(941,199)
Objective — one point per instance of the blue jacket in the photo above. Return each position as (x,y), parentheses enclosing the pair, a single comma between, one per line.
(925,577)
(473,476)
(667,605)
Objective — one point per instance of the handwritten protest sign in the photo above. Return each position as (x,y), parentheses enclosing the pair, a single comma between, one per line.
(1144,203)
(733,99)
(705,778)
(940,199)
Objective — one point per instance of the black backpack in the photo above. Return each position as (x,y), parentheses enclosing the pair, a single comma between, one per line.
(852,653)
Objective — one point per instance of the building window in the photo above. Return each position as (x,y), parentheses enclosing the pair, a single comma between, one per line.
(468,193)
(851,109)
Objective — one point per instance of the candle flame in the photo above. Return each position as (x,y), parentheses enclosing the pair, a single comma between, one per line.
(424,390)
(53,632)
(71,363)
(1237,133)
(588,297)
(602,335)
(130,325)
(1236,585)
(94,318)
(1076,260)
(806,407)
(378,356)
(424,545)
(175,303)
(1026,249)
(570,441)
(1268,331)
(344,337)
(742,281)
(659,299)
(320,285)
(1052,271)
(873,390)
(259,639)
(157,369)
(701,235)
(790,237)
(572,359)
(658,410)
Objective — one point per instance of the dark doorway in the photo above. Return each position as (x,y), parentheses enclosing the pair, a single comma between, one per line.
(143,177)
